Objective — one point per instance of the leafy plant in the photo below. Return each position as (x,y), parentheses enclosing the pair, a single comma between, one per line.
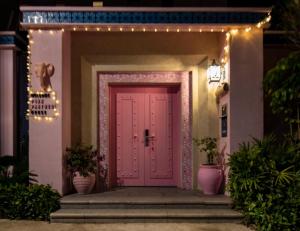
(15,170)
(282,86)
(18,201)
(209,146)
(81,158)
(264,182)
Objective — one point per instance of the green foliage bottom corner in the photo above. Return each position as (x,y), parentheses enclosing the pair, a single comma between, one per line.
(36,202)
(264,182)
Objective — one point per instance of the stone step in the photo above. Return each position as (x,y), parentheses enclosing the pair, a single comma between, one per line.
(206,204)
(145,215)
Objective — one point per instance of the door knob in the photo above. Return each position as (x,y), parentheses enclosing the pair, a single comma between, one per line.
(146,137)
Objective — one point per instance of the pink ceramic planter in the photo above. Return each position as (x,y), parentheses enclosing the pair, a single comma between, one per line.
(210,178)
(84,185)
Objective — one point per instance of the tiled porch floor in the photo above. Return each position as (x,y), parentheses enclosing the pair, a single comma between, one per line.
(147,195)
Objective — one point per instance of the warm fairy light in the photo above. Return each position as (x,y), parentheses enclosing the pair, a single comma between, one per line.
(211,30)
(200,30)
(144,29)
(98,29)
(265,21)
(234,31)
(74,28)
(132,29)
(222,30)
(226,48)
(108,29)
(167,29)
(155,30)
(121,29)
(189,29)
(178,30)
(86,29)
(29,87)
(248,29)
(227,36)
(62,30)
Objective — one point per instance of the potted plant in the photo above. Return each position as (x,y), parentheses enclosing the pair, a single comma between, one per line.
(210,175)
(81,161)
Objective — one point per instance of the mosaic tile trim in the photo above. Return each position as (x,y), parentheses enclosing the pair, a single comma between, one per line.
(7,39)
(90,17)
(104,79)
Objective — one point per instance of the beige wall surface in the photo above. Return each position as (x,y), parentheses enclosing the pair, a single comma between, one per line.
(78,56)
(92,52)
(246,94)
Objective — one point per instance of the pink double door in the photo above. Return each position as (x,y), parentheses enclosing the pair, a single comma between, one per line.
(145,136)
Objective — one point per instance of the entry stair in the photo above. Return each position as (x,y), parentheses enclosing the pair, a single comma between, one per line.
(141,205)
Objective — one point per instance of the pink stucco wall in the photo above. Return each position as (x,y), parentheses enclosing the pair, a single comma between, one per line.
(7,102)
(48,139)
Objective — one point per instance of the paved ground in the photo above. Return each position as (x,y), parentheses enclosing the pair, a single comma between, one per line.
(8,225)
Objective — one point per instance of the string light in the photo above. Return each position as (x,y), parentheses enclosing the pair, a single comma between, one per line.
(248,29)
(224,58)
(264,21)
(30,91)
(234,31)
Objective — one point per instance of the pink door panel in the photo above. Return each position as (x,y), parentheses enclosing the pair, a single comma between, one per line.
(138,164)
(160,162)
(129,150)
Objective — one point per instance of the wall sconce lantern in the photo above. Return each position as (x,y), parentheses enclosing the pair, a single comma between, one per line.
(214,72)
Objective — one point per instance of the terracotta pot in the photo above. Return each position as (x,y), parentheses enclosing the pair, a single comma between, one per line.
(210,178)
(82,184)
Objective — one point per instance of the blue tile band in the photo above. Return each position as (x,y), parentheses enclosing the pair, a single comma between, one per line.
(7,40)
(90,17)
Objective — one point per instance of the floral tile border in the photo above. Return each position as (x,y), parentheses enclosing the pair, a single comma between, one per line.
(182,78)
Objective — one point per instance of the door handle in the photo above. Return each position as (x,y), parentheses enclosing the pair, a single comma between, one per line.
(146,137)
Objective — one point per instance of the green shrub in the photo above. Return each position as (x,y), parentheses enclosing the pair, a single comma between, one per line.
(264,181)
(81,158)
(35,201)
(15,170)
